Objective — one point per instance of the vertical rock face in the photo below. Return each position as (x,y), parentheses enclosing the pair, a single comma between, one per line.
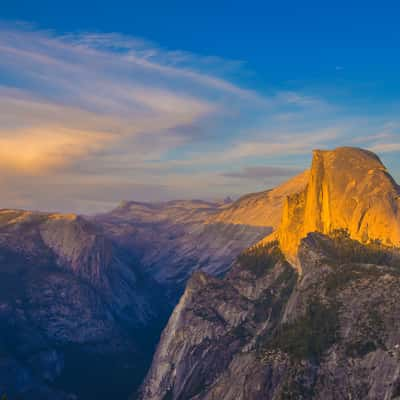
(349,189)
(79,246)
(266,331)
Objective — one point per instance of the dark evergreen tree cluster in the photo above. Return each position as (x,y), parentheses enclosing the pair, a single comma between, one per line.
(261,258)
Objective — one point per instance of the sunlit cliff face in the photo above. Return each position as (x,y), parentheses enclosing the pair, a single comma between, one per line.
(349,189)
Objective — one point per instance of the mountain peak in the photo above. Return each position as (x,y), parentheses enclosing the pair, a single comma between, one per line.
(348,188)
(348,157)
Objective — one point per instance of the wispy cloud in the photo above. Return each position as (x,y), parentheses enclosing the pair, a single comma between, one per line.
(385,147)
(262,172)
(94,111)
(90,92)
(383,140)
(294,142)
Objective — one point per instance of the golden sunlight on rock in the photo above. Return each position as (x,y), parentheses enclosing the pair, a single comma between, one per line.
(264,208)
(349,189)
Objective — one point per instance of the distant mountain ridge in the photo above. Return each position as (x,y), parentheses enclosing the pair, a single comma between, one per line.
(173,239)
(84,296)
(263,208)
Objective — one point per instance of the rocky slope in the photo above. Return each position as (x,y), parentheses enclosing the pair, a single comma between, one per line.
(74,309)
(174,239)
(265,333)
(263,208)
(328,329)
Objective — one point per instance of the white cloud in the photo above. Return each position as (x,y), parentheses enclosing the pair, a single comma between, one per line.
(385,147)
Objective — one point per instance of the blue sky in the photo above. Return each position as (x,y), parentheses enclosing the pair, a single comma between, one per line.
(106,101)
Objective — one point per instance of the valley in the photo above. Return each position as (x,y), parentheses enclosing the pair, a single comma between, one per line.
(280,294)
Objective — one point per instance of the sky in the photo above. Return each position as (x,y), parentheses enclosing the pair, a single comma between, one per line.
(104,101)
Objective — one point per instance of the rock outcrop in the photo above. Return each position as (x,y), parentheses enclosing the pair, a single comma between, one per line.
(348,188)
(264,332)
